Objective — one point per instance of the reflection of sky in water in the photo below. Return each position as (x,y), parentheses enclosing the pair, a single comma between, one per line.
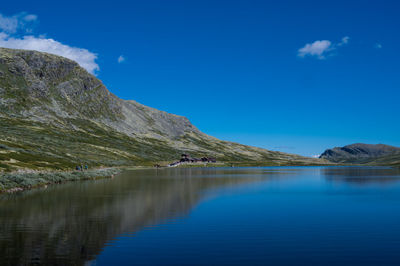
(275,215)
(362,175)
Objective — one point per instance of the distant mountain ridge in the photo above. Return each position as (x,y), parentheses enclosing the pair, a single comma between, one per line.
(363,153)
(54,114)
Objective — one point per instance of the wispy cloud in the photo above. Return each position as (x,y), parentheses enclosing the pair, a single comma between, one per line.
(19,22)
(321,48)
(121,59)
(345,40)
(15,32)
(30,17)
(378,46)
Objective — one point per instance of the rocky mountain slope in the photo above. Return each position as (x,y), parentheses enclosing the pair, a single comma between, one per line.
(54,114)
(364,154)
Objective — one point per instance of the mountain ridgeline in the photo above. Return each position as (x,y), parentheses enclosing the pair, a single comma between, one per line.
(54,115)
(360,153)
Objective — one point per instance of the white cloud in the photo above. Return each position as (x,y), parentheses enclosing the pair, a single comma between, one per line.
(22,22)
(378,46)
(316,155)
(321,48)
(317,48)
(83,57)
(121,59)
(8,24)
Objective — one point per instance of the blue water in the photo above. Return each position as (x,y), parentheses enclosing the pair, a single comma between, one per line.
(246,216)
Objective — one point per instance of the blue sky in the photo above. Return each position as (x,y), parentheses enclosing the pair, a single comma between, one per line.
(295,76)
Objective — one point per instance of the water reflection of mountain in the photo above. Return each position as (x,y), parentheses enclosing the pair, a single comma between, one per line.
(362,175)
(70,224)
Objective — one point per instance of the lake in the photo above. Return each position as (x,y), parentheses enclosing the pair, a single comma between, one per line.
(246,216)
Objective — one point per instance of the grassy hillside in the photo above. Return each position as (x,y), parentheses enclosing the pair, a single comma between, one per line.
(25,144)
(391,160)
(55,115)
(34,145)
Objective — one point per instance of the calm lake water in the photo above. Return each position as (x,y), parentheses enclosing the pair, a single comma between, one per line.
(247,216)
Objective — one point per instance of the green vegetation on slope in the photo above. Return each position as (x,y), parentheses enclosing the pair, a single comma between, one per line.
(55,115)
(21,181)
(25,144)
(34,145)
(390,160)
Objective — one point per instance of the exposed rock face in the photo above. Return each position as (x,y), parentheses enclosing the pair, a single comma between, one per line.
(51,88)
(359,153)
(55,114)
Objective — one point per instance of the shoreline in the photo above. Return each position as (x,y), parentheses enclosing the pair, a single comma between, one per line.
(22,180)
(25,180)
(12,182)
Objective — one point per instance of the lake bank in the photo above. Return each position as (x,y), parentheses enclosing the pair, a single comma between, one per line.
(11,182)
(24,180)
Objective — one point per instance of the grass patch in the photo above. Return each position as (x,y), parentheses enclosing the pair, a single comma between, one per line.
(28,180)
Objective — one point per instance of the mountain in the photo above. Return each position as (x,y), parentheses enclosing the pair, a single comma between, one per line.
(54,114)
(360,153)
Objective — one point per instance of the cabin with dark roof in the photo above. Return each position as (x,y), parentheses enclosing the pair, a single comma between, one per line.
(186,158)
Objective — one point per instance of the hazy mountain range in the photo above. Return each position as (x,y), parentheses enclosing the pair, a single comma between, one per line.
(54,114)
(360,153)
